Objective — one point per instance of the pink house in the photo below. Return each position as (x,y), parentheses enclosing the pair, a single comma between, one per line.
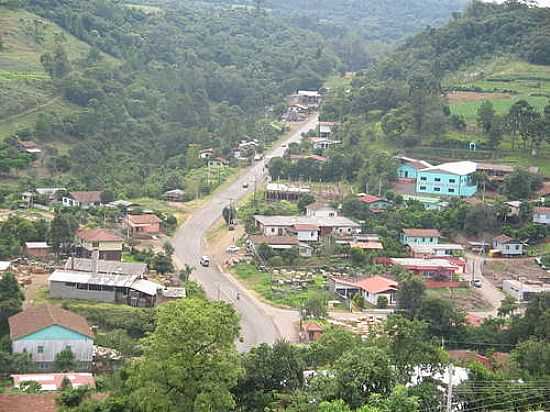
(142,224)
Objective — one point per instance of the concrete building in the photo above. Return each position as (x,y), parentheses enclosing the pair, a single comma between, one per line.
(45,330)
(448,179)
(282,225)
(322,143)
(439,250)
(412,237)
(523,290)
(371,288)
(507,246)
(39,250)
(82,199)
(409,167)
(320,210)
(428,268)
(107,243)
(541,215)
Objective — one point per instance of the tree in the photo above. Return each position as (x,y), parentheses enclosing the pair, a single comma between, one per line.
(479,219)
(265,252)
(186,272)
(362,372)
(532,358)
(316,306)
(304,201)
(382,302)
(11,297)
(73,397)
(162,263)
(61,233)
(442,318)
(168,248)
(65,361)
(486,117)
(333,343)
(521,184)
(508,306)
(107,196)
(190,362)
(410,295)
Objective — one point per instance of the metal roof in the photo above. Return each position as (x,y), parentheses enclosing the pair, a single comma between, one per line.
(462,168)
(123,281)
(333,221)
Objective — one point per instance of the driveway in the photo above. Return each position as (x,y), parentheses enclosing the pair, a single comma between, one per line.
(260,323)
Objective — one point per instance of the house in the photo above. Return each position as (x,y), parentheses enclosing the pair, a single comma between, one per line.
(322,143)
(541,215)
(176,195)
(371,288)
(313,157)
(448,179)
(103,287)
(50,192)
(142,224)
(107,243)
(429,203)
(45,330)
(507,246)
(206,154)
(311,331)
(282,225)
(544,191)
(409,167)
(498,172)
(279,243)
(54,381)
(5,266)
(108,267)
(38,250)
(308,98)
(29,147)
(280,191)
(320,209)
(326,129)
(82,199)
(375,203)
(305,232)
(428,268)
(420,237)
(439,250)
(523,290)
(370,246)
(514,208)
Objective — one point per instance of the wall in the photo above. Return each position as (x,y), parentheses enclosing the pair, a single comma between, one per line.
(59,290)
(445,184)
(308,236)
(541,218)
(406,171)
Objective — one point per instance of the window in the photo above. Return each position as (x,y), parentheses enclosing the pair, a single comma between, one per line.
(95,244)
(422,187)
(95,287)
(437,179)
(68,347)
(107,288)
(40,349)
(424,178)
(437,189)
(517,247)
(452,180)
(42,365)
(272,230)
(83,286)
(70,284)
(451,190)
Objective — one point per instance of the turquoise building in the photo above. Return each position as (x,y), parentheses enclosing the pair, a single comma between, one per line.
(44,331)
(409,167)
(422,237)
(448,179)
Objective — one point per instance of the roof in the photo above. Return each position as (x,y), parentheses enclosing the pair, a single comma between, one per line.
(319,206)
(309,93)
(36,245)
(148,219)
(53,381)
(514,203)
(86,197)
(468,356)
(432,248)
(503,239)
(333,221)
(274,240)
(4,265)
(106,266)
(423,263)
(173,293)
(374,284)
(36,318)
(174,192)
(311,327)
(422,232)
(304,227)
(146,286)
(371,199)
(369,245)
(542,210)
(462,168)
(279,187)
(417,164)
(124,281)
(97,235)
(545,189)
(495,168)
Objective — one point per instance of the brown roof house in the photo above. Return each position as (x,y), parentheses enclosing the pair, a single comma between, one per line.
(311,331)
(107,243)
(145,224)
(82,199)
(420,237)
(45,330)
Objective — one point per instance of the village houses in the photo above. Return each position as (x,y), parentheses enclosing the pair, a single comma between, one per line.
(448,179)
(144,224)
(107,243)
(320,210)
(82,199)
(541,215)
(420,237)
(311,228)
(507,246)
(371,288)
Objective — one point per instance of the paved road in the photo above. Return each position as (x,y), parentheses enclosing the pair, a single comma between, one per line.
(489,291)
(260,323)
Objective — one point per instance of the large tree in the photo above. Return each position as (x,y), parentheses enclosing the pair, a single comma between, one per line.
(11,296)
(190,362)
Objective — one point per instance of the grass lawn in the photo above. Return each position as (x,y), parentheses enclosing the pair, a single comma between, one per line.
(260,282)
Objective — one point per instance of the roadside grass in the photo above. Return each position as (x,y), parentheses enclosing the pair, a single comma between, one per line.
(284,296)
(541,249)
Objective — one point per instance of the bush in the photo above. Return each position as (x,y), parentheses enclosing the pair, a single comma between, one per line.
(382,302)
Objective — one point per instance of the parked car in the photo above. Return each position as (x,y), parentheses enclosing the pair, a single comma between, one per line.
(232,249)
(245,185)
(205,261)
(476,283)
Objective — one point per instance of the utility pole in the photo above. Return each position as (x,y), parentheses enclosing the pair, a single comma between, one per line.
(449,407)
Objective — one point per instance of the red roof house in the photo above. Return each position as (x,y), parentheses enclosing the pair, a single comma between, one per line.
(142,224)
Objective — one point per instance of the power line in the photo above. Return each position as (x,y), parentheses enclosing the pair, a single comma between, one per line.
(500,403)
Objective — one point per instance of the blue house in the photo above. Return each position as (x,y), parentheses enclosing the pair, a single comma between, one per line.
(423,237)
(448,179)
(408,167)
(45,330)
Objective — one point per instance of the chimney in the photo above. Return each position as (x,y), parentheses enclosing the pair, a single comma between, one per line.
(95,261)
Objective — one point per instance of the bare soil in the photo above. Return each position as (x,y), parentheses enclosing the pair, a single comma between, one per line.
(461,97)
(496,270)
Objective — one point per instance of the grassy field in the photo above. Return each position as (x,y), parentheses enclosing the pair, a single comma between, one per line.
(515,79)
(260,282)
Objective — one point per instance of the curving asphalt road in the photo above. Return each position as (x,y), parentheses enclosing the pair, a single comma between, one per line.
(260,323)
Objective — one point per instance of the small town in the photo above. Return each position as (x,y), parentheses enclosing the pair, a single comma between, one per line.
(250,206)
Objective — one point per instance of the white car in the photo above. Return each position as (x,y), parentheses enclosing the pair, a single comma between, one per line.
(476,283)
(205,261)
(232,249)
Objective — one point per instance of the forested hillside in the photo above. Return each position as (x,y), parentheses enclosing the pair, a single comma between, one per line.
(359,30)
(151,83)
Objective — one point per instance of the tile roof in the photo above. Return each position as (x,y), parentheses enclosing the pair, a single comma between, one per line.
(311,327)
(374,284)
(369,245)
(334,221)
(97,235)
(422,232)
(87,197)
(43,402)
(543,210)
(145,219)
(370,199)
(36,318)
(503,239)
(303,227)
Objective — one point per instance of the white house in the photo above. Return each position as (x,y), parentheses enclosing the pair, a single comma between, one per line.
(305,232)
(523,289)
(507,246)
(320,209)
(323,143)
(282,225)
(541,215)
(371,288)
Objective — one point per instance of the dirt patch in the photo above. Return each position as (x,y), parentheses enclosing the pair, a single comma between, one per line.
(466,299)
(461,97)
(497,270)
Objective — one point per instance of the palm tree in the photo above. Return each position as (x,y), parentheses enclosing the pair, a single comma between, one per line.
(185,273)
